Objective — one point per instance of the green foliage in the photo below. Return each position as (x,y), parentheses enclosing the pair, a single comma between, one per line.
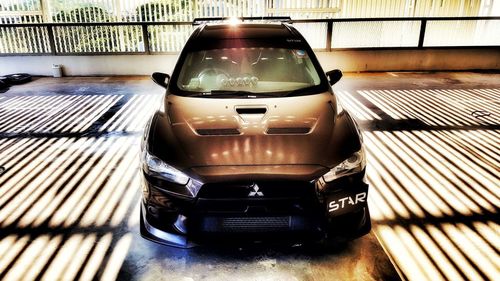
(88,39)
(152,11)
(27,5)
(84,14)
(158,11)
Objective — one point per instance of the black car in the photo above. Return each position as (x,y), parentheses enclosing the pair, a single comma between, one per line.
(251,144)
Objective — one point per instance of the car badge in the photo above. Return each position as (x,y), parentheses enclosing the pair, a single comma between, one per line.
(255,192)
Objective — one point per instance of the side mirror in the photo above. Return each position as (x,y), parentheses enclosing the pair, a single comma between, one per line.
(334,76)
(161,79)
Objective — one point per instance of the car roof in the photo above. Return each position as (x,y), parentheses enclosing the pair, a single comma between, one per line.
(245,31)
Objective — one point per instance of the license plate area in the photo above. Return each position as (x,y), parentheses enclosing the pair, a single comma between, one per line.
(346,201)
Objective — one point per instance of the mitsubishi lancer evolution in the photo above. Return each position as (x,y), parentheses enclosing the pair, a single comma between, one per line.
(251,143)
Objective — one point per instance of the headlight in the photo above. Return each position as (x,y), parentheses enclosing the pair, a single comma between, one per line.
(354,164)
(156,167)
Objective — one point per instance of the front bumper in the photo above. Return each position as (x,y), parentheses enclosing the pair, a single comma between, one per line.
(225,212)
(161,236)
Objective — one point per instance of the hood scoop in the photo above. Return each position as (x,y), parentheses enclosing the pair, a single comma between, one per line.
(288,131)
(218,132)
(251,114)
(251,110)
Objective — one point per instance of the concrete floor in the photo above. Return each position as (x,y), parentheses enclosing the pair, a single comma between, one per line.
(69,185)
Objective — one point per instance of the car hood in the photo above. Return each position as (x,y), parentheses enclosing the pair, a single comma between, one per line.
(292,137)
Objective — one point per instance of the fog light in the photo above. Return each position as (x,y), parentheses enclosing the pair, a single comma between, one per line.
(153,211)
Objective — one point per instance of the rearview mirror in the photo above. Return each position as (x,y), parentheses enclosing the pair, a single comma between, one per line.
(161,79)
(334,76)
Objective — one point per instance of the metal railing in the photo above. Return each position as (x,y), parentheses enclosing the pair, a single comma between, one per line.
(323,34)
(15,11)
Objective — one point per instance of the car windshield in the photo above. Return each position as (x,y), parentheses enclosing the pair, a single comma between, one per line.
(250,70)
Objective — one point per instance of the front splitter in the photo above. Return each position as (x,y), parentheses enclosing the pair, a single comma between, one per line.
(163,237)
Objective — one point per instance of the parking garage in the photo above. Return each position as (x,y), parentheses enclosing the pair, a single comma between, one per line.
(419,78)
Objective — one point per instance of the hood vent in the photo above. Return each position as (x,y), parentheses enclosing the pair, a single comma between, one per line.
(288,131)
(251,110)
(218,132)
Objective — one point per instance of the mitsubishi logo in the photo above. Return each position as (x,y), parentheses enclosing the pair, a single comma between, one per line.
(255,192)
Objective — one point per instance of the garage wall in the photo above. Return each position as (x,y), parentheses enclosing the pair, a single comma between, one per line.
(348,61)
(415,60)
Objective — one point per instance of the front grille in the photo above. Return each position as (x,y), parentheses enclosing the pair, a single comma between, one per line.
(280,189)
(246,224)
(273,198)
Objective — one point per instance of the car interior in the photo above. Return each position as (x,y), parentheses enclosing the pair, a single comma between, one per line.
(248,69)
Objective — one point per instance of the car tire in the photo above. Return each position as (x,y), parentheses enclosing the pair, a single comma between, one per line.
(18,78)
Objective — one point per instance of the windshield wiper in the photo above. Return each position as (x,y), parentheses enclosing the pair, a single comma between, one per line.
(301,91)
(227,93)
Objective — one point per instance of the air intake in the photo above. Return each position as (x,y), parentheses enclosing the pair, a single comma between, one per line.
(251,110)
(246,224)
(217,132)
(288,131)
